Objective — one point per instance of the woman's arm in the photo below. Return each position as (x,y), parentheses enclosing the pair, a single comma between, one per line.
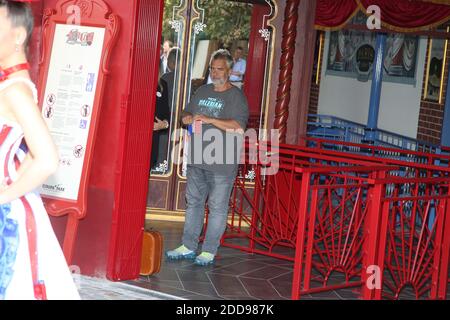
(43,154)
(25,163)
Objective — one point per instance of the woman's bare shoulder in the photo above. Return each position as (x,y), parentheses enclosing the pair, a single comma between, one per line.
(16,91)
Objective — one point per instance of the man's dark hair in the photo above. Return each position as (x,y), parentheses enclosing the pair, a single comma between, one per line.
(20,15)
(174,53)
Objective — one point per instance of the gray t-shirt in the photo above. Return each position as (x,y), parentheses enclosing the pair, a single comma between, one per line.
(215,149)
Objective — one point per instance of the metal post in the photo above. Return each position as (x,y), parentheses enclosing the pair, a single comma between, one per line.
(375,94)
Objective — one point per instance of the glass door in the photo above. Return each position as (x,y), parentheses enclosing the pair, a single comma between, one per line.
(192,31)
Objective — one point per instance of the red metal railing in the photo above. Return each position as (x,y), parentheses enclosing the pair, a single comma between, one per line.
(412,243)
(339,215)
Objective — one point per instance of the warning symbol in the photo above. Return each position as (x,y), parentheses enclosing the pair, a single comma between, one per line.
(85,111)
(51,99)
(48,112)
(78,151)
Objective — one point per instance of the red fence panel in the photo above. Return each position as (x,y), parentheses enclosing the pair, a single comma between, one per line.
(347,220)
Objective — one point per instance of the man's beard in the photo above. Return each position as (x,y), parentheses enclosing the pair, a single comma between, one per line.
(218,82)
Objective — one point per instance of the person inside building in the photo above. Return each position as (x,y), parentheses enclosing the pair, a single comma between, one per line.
(167,45)
(218,110)
(239,66)
(32,264)
(169,79)
(161,125)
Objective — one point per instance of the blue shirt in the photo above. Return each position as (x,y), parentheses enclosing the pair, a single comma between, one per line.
(239,66)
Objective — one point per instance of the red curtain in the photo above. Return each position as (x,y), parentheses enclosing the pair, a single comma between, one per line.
(398,15)
(334,14)
(407,15)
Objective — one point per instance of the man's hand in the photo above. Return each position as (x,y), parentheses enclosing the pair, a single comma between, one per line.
(160,124)
(187,119)
(204,119)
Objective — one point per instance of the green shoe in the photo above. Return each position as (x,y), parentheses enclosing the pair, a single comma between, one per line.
(204,259)
(180,253)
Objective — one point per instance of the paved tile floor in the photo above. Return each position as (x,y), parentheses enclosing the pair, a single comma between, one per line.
(236,275)
(102,289)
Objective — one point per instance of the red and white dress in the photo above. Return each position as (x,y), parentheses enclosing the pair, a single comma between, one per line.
(32,264)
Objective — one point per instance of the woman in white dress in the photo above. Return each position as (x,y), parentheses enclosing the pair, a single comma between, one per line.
(32,265)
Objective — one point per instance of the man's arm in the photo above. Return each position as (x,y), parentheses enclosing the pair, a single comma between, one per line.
(223,124)
(239,70)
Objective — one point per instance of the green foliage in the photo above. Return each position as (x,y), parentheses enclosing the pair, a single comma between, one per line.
(168,32)
(226,21)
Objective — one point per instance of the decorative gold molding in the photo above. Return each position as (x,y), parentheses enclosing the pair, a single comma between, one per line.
(425,93)
(427,70)
(176,217)
(178,195)
(268,75)
(319,59)
(441,89)
(178,14)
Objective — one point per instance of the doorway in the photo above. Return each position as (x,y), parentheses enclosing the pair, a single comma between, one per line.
(192,31)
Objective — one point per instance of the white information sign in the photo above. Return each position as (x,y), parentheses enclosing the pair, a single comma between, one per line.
(69,100)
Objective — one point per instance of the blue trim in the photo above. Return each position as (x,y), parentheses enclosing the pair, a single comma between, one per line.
(375,93)
(445,135)
(334,128)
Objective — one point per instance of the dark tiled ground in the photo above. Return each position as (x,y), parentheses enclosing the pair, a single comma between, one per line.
(236,275)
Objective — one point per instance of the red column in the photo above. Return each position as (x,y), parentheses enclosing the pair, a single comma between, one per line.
(256,61)
(303,70)
(286,66)
(296,66)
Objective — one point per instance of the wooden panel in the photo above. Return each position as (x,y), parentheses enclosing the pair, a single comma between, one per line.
(181,196)
(158,194)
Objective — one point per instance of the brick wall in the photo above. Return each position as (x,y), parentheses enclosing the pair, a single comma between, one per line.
(314,98)
(431,114)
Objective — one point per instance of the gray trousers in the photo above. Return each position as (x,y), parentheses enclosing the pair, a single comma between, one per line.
(202,184)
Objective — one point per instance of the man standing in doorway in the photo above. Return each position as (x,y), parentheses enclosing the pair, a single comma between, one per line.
(219,113)
(238,71)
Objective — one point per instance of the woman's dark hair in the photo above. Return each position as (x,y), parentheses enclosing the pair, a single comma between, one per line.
(20,15)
